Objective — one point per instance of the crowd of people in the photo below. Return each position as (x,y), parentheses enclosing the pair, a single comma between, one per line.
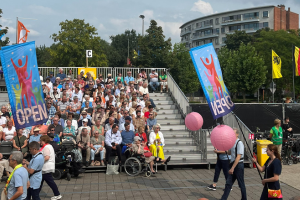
(99,115)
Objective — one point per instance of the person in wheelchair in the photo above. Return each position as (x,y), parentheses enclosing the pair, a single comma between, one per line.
(138,149)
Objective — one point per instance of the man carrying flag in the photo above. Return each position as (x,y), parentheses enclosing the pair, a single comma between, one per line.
(22,33)
(276,66)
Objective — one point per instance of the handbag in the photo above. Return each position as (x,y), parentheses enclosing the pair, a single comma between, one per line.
(148,154)
(274,194)
(112,169)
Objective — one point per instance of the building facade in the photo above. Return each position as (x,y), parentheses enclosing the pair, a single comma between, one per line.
(213,28)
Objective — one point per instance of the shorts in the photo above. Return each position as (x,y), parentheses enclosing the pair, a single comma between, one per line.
(164,83)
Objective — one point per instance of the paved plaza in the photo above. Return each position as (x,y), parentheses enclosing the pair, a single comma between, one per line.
(172,184)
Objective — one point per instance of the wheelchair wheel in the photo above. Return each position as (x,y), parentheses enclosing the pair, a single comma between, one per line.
(57,174)
(132,166)
(290,162)
(295,160)
(148,173)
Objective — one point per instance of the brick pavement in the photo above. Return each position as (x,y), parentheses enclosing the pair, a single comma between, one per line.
(173,184)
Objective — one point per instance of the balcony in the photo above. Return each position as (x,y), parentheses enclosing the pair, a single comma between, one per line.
(203,27)
(185,32)
(201,37)
(229,22)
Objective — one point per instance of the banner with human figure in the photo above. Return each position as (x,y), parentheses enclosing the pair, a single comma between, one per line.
(210,75)
(23,84)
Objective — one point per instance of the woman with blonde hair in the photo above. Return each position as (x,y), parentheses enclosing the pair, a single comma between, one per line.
(276,135)
(9,132)
(146,109)
(272,169)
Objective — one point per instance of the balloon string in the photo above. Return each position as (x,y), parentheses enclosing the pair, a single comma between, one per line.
(246,142)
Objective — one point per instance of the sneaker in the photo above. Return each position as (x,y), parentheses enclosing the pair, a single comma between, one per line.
(56,197)
(211,187)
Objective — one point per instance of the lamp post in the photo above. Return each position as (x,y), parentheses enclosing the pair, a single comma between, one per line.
(142,17)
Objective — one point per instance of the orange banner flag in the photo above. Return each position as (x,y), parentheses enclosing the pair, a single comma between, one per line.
(22,33)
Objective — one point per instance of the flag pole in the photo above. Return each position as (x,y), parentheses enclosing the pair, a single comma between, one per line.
(293,67)
(272,78)
(17,31)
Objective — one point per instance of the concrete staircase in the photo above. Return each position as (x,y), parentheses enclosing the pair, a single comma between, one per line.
(179,143)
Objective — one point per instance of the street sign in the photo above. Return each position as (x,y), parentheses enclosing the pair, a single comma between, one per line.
(89,53)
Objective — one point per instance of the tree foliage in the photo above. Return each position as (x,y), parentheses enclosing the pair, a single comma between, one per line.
(72,41)
(281,42)
(119,45)
(153,47)
(243,69)
(3,31)
(182,69)
(43,55)
(233,41)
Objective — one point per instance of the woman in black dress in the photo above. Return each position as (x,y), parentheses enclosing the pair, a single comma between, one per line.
(272,169)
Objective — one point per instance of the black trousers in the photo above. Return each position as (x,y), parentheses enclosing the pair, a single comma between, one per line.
(33,193)
(109,150)
(49,180)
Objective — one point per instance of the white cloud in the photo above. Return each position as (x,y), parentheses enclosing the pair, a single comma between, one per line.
(148,14)
(170,29)
(41,10)
(118,22)
(202,7)
(33,32)
(101,27)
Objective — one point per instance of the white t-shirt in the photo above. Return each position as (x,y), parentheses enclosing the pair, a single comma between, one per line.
(49,85)
(144,90)
(155,79)
(2,120)
(9,134)
(49,165)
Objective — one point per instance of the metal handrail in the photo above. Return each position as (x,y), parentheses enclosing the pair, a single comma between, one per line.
(179,98)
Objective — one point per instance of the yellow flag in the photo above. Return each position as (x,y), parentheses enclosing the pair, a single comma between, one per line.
(276,65)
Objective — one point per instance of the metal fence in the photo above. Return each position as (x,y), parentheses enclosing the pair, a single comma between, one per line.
(178,96)
(114,71)
(233,121)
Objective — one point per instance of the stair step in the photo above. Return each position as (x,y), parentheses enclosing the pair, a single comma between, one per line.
(158,103)
(173,127)
(169,111)
(158,99)
(168,116)
(170,121)
(179,147)
(183,156)
(188,162)
(177,134)
(152,95)
(165,107)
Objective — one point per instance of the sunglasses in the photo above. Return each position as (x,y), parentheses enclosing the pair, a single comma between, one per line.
(49,103)
(84,114)
(52,130)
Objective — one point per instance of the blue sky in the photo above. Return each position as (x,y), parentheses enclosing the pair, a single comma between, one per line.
(112,17)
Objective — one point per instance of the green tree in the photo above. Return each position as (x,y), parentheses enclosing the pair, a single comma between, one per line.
(243,70)
(72,41)
(119,44)
(2,32)
(234,40)
(43,55)
(153,47)
(281,42)
(182,69)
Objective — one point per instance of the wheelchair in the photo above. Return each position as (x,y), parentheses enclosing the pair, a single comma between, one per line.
(136,165)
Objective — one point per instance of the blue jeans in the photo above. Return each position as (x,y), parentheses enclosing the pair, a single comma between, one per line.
(154,85)
(33,193)
(152,103)
(221,164)
(238,174)
(94,151)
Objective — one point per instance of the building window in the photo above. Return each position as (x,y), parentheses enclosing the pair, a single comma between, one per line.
(217,30)
(266,24)
(217,41)
(217,21)
(254,15)
(224,40)
(234,28)
(207,32)
(208,23)
(222,30)
(231,18)
(252,26)
(266,14)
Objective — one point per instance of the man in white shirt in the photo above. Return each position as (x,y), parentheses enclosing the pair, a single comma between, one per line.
(144,90)
(153,80)
(77,93)
(113,140)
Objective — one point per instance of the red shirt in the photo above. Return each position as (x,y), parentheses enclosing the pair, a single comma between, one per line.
(143,137)
(146,114)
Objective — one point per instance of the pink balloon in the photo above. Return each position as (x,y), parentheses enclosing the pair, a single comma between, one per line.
(193,121)
(223,137)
